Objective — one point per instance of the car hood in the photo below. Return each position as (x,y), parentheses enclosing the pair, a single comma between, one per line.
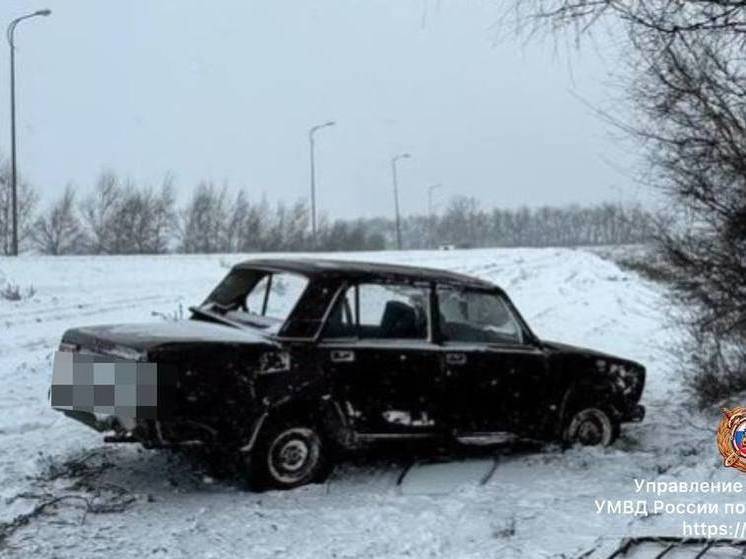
(145,336)
(576,351)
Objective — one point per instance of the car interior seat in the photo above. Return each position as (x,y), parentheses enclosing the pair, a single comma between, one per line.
(400,321)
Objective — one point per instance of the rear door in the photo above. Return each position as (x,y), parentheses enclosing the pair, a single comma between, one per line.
(378,351)
(495,379)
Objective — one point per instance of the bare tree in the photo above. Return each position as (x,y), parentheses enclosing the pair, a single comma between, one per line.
(662,17)
(688,94)
(254,231)
(121,218)
(164,217)
(238,216)
(464,223)
(204,222)
(98,211)
(58,230)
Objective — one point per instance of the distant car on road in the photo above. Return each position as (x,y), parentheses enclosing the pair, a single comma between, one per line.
(287,360)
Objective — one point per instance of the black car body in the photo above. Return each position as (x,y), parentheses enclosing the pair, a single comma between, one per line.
(286,359)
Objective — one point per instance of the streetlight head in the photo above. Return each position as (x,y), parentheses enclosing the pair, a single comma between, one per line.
(405,156)
(330,123)
(46,12)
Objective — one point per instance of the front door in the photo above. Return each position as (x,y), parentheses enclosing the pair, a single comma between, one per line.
(384,368)
(495,378)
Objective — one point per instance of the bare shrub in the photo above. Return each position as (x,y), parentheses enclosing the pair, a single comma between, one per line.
(714,366)
(13,292)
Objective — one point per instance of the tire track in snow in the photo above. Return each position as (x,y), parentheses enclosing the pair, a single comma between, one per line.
(88,309)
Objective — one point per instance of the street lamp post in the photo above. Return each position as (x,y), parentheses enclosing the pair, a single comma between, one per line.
(396,195)
(312,147)
(430,214)
(430,190)
(14,173)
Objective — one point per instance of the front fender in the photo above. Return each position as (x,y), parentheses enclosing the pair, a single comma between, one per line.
(602,393)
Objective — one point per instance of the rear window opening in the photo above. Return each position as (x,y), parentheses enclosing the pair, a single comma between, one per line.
(262,299)
(275,295)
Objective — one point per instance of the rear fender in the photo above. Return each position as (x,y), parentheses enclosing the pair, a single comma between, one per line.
(322,411)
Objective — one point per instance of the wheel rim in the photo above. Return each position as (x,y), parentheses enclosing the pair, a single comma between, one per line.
(294,455)
(590,427)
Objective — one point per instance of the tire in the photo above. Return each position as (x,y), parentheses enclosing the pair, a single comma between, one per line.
(590,426)
(287,455)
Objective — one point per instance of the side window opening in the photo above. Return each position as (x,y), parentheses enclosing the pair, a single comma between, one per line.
(257,297)
(477,316)
(342,321)
(381,311)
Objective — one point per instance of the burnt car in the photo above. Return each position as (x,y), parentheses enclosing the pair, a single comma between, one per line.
(288,361)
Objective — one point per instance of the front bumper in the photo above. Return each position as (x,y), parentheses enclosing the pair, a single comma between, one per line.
(634,415)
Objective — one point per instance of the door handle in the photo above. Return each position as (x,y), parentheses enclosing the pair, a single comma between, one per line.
(342,356)
(456,358)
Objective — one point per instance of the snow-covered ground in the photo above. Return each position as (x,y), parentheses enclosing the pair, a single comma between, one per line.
(502,504)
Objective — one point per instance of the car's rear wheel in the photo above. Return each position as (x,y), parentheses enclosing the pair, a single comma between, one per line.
(287,455)
(590,426)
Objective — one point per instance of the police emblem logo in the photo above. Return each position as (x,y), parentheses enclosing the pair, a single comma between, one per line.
(731,438)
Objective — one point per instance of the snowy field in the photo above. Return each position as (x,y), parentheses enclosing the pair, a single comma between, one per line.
(123,501)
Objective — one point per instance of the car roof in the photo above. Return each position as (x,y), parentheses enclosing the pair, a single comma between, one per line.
(320,267)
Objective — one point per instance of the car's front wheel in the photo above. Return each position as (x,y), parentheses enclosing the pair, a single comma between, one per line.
(590,426)
(287,455)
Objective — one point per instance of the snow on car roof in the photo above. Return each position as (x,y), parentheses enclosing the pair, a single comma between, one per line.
(358,269)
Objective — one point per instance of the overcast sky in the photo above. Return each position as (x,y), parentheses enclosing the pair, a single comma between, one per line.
(144,87)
